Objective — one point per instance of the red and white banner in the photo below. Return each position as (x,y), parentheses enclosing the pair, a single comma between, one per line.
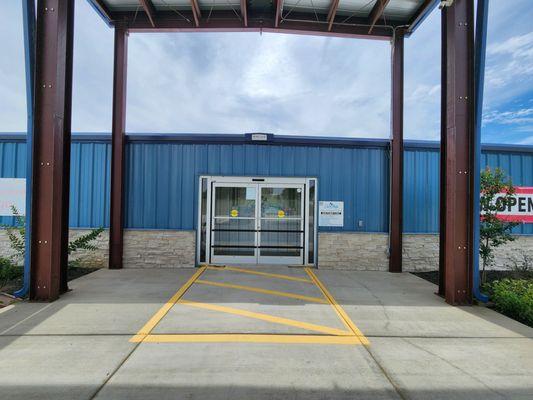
(520,207)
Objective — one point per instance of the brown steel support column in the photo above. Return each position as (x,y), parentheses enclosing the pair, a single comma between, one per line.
(396,170)
(116,234)
(442,179)
(457,152)
(51,151)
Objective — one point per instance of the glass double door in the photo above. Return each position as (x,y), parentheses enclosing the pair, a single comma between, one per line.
(257,223)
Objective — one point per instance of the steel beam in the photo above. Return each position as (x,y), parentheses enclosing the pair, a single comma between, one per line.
(482,16)
(279,11)
(244,12)
(116,233)
(51,164)
(421,14)
(442,179)
(196,12)
(226,22)
(149,9)
(396,198)
(458,153)
(102,9)
(332,13)
(376,13)
(28,20)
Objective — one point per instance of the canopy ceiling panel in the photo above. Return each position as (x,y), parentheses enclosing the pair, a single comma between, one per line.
(376,19)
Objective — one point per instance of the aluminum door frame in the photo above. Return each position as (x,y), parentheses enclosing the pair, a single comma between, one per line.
(211,179)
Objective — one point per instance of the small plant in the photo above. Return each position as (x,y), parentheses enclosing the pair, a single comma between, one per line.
(493,231)
(522,266)
(17,235)
(84,241)
(8,271)
(17,238)
(514,298)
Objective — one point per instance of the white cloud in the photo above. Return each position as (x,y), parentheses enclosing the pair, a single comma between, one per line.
(251,82)
(271,73)
(520,116)
(286,84)
(517,46)
(528,140)
(509,71)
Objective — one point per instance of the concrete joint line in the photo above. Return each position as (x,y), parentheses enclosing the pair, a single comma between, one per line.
(27,318)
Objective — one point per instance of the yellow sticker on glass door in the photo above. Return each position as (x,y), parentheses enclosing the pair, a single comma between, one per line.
(234,213)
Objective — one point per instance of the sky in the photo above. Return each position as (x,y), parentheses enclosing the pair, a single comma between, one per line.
(277,83)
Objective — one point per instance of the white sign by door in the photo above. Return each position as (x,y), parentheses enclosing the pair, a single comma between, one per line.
(331,213)
(12,193)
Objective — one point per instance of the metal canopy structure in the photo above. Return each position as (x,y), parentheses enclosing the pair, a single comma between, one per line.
(49,65)
(350,18)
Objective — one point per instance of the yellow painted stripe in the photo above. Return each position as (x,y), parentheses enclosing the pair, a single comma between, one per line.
(264,291)
(147,328)
(266,317)
(340,311)
(249,338)
(260,273)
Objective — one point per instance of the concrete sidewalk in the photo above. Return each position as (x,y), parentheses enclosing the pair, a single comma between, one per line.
(81,347)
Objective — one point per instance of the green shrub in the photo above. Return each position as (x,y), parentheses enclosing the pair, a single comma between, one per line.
(514,298)
(8,271)
(84,242)
(17,238)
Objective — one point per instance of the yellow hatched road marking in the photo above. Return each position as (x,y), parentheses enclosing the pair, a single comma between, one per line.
(147,328)
(267,274)
(264,291)
(267,317)
(249,338)
(340,311)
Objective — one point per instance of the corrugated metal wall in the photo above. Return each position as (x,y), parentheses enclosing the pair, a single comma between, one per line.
(421,184)
(90,184)
(421,190)
(89,179)
(162,185)
(162,179)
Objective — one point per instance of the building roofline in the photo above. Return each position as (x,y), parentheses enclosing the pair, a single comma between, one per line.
(271,139)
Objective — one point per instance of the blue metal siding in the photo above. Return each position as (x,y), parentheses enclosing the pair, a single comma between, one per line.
(90,185)
(421,184)
(162,179)
(421,190)
(89,180)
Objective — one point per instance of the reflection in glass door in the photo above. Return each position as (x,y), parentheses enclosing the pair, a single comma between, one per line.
(281,225)
(234,227)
